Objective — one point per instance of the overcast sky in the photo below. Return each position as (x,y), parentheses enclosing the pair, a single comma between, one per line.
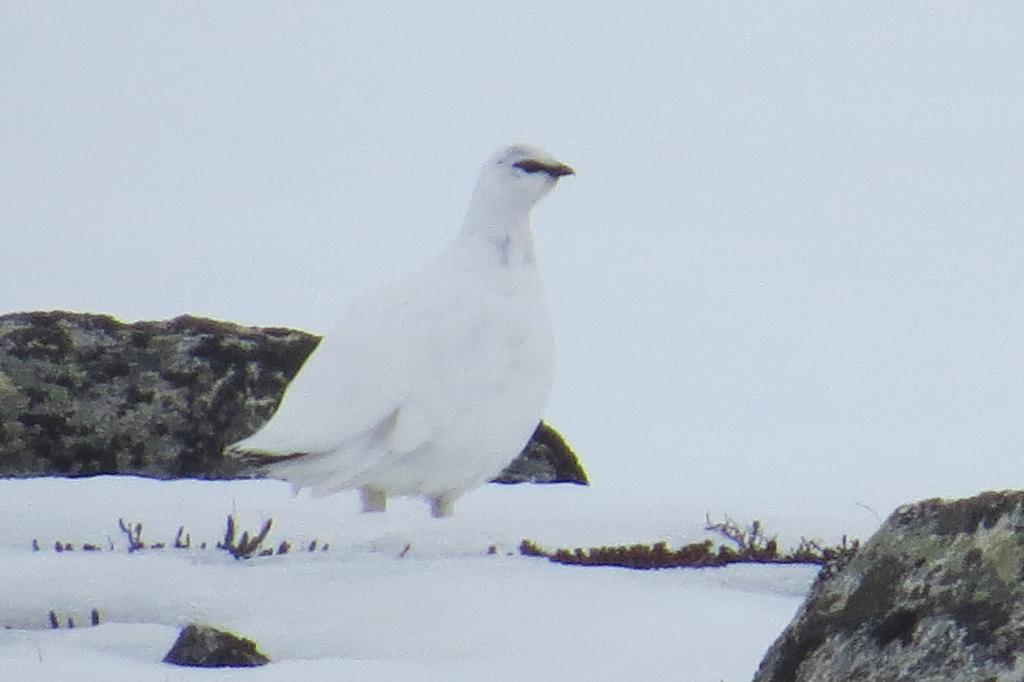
(789,266)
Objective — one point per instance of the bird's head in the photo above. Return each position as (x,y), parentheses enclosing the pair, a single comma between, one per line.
(517,177)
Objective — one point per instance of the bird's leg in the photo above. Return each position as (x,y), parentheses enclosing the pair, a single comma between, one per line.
(442,506)
(374,499)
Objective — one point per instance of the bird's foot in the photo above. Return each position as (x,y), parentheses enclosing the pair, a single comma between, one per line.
(442,506)
(374,499)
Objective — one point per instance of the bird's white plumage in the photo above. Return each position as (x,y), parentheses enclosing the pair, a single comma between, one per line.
(432,386)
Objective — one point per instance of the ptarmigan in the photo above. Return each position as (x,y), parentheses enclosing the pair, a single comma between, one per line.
(431,387)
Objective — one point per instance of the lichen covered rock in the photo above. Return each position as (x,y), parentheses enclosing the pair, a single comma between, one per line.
(87,394)
(546,459)
(936,594)
(203,646)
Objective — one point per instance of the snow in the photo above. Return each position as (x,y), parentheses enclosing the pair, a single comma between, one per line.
(396,596)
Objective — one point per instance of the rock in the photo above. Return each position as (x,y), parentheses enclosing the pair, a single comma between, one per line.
(936,594)
(546,459)
(203,646)
(86,394)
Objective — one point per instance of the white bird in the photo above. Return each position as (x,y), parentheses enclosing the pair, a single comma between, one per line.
(431,387)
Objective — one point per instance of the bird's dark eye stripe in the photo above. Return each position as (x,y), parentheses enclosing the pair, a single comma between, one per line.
(552,168)
(531,166)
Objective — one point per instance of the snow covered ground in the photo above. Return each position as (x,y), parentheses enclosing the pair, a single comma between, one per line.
(399,596)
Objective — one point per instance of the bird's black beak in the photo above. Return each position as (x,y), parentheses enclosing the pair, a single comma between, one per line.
(554,169)
(559,169)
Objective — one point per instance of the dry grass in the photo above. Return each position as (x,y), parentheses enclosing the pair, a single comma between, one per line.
(747,545)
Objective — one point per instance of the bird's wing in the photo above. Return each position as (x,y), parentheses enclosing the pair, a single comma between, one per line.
(363,376)
(408,365)
(354,380)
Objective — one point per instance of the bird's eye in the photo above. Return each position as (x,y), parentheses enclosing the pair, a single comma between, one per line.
(530,166)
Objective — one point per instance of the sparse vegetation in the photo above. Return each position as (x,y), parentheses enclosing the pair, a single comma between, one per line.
(245,546)
(134,534)
(182,540)
(747,545)
(55,622)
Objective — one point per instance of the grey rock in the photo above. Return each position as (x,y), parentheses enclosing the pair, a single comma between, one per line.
(203,646)
(85,394)
(546,459)
(935,594)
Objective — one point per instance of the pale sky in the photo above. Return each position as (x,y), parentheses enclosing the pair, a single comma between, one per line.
(789,266)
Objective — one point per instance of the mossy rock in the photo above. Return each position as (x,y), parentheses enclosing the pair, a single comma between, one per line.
(936,594)
(203,646)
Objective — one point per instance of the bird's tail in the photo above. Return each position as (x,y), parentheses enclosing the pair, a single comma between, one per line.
(258,458)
